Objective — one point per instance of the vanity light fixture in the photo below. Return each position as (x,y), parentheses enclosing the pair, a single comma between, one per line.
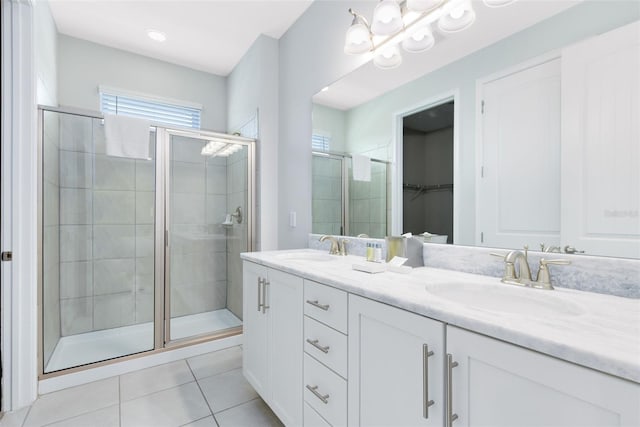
(408,23)
(156,35)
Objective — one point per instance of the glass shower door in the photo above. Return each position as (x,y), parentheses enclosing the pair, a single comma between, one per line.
(207,200)
(328,195)
(98,245)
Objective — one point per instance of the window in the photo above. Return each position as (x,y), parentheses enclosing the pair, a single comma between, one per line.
(320,142)
(174,113)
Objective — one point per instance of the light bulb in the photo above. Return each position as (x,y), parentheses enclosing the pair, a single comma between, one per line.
(457,12)
(418,36)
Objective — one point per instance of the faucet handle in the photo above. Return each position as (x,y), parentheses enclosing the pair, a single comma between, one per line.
(544,277)
(509,268)
(343,246)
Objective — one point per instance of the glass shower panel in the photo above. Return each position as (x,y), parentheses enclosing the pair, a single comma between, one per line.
(327,197)
(368,210)
(207,224)
(98,245)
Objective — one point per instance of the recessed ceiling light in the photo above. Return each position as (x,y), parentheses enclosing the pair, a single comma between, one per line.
(324,89)
(156,35)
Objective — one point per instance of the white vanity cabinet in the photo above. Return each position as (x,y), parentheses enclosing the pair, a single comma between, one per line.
(500,384)
(325,358)
(272,349)
(395,366)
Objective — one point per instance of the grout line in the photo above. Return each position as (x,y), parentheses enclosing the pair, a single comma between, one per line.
(202,392)
(239,404)
(119,400)
(27,415)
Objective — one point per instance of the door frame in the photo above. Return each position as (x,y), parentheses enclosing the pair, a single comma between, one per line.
(19,207)
(397,160)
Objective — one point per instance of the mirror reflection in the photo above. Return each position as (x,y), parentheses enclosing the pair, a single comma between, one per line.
(501,148)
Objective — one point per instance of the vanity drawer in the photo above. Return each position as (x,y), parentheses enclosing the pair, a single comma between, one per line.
(326,345)
(312,418)
(325,391)
(326,304)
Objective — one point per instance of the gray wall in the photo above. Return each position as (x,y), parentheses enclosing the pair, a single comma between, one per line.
(306,67)
(253,90)
(83,65)
(311,57)
(46,52)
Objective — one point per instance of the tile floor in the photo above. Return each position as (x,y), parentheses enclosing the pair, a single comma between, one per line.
(203,391)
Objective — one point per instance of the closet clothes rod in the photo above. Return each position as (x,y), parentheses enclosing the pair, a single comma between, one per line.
(427,188)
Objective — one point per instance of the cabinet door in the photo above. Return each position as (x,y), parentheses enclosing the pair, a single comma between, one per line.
(391,376)
(600,148)
(254,350)
(284,298)
(499,384)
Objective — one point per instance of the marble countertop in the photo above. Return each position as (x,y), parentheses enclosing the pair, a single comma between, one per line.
(598,331)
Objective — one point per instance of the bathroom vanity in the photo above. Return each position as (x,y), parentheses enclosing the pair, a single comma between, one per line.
(327,345)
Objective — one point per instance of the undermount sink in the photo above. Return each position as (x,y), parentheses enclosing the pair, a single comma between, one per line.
(307,256)
(505,298)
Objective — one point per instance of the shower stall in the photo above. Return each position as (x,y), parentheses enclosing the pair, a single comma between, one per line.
(343,206)
(139,255)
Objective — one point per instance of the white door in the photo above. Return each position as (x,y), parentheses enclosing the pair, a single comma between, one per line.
(601,144)
(498,384)
(519,186)
(284,298)
(255,327)
(392,377)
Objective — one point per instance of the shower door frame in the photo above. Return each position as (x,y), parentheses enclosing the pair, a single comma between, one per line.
(346,200)
(164,140)
(161,327)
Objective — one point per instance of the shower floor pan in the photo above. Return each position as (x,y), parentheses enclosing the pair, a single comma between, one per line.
(90,347)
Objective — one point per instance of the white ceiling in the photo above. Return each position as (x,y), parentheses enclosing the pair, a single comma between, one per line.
(207,35)
(491,25)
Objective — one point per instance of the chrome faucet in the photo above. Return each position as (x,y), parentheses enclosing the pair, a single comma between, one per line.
(333,250)
(338,247)
(522,276)
(523,273)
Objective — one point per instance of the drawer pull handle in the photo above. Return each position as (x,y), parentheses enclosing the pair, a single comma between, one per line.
(451,417)
(315,303)
(314,343)
(425,380)
(314,390)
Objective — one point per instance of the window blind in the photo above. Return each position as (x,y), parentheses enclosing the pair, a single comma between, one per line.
(320,142)
(159,112)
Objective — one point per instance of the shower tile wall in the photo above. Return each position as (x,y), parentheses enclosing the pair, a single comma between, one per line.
(327,195)
(198,249)
(106,232)
(368,203)
(51,235)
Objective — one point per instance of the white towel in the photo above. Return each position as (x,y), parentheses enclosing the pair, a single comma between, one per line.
(126,136)
(361,167)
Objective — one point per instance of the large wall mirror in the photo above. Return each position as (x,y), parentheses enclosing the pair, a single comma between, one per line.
(523,130)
